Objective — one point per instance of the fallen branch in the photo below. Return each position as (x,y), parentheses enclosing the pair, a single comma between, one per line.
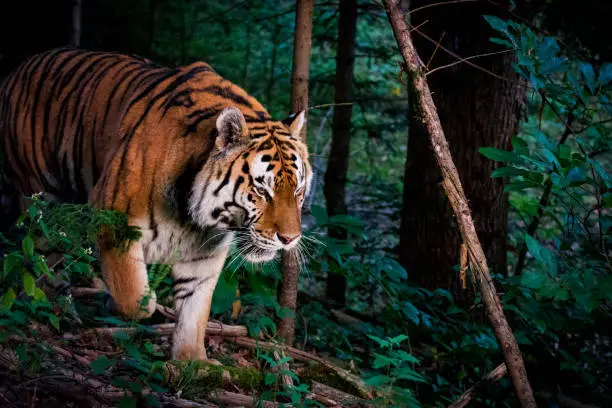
(498,373)
(454,191)
(333,395)
(213,328)
(358,385)
(233,399)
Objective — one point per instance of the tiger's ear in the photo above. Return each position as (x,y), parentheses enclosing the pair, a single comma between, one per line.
(231,128)
(295,123)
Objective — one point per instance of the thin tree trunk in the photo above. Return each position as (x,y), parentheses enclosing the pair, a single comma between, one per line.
(272,69)
(247,48)
(458,200)
(477,110)
(338,161)
(299,101)
(75,32)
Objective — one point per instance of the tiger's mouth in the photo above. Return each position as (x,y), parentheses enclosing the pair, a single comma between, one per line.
(256,254)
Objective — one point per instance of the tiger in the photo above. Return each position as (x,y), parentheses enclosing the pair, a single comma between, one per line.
(194,161)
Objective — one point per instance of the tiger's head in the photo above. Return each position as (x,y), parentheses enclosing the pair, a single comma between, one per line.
(254,183)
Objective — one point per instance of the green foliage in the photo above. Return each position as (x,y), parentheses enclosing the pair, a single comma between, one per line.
(558,180)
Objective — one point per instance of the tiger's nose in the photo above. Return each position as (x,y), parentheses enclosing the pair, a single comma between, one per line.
(287,239)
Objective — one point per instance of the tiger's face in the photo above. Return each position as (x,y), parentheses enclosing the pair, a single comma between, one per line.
(258,178)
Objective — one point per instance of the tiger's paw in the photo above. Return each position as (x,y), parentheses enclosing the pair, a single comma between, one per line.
(140,309)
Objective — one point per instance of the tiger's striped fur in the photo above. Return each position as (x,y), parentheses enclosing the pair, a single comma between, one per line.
(191,158)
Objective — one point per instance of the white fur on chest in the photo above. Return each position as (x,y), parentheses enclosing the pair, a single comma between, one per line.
(171,243)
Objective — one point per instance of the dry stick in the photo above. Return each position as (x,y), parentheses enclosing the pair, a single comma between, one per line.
(233,399)
(456,196)
(165,329)
(498,373)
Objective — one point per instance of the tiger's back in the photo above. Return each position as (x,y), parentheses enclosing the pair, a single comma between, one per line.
(65,110)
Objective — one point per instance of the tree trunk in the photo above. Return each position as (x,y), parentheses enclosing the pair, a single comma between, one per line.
(247,48)
(476,110)
(75,32)
(299,101)
(338,161)
(272,67)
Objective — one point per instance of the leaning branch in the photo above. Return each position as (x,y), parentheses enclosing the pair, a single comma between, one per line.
(498,373)
(454,191)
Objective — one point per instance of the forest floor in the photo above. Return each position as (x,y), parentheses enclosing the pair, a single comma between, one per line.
(107,362)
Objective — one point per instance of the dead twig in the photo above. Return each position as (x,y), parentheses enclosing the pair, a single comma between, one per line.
(213,328)
(498,373)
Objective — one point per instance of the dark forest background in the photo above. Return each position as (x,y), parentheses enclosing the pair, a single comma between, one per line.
(522,89)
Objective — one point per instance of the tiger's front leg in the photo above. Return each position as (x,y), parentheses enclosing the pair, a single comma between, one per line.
(194,283)
(125,275)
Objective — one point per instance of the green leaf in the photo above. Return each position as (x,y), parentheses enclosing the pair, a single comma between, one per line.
(382,361)
(520,185)
(320,214)
(410,375)
(589,76)
(10,262)
(398,339)
(497,24)
(533,279)
(405,357)
(561,293)
(39,295)
(54,320)
(500,155)
(533,246)
(378,380)
(127,402)
(509,171)
(270,378)
(393,269)
(8,298)
(410,311)
(605,74)
(41,268)
(29,284)
(541,254)
(27,244)
(586,300)
(100,364)
(495,40)
(383,343)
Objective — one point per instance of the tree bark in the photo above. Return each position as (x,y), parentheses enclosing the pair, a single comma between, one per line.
(299,101)
(75,32)
(476,110)
(338,161)
(458,200)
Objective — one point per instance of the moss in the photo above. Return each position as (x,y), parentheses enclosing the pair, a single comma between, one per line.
(327,376)
(197,378)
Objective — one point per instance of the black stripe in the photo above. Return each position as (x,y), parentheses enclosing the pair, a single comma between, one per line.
(225,92)
(182,281)
(185,296)
(225,179)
